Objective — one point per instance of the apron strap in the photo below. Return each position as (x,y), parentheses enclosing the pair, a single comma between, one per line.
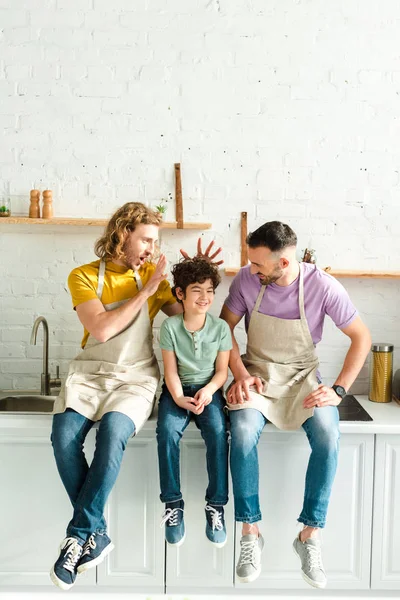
(138,280)
(100,283)
(259,298)
(301,292)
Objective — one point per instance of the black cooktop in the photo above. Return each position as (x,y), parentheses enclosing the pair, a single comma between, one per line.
(351,410)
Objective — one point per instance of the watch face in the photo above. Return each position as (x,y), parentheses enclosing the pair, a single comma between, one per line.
(339,390)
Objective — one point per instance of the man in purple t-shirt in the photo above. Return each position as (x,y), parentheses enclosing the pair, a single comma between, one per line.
(284,303)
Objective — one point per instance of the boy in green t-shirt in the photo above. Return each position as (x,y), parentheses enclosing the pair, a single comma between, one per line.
(195,347)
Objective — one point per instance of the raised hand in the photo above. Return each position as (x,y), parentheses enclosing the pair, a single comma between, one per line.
(158,276)
(206,254)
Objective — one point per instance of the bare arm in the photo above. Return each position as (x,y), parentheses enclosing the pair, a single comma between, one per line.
(205,394)
(174,384)
(360,345)
(239,392)
(102,324)
(172,309)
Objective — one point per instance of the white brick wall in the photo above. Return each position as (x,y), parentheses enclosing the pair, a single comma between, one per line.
(287,109)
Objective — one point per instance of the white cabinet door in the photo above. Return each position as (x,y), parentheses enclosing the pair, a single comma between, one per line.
(386,516)
(347,536)
(197,566)
(34,508)
(133,515)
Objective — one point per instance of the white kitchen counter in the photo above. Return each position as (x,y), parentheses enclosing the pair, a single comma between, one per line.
(386,419)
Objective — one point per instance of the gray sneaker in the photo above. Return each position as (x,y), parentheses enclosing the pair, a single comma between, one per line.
(312,569)
(249,563)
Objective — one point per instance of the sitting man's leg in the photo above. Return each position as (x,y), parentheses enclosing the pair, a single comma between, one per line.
(88,521)
(246,427)
(322,431)
(68,435)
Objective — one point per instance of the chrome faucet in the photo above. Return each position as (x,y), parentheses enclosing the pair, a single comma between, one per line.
(45,382)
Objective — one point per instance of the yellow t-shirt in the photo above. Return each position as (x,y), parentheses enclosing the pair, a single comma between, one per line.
(119,284)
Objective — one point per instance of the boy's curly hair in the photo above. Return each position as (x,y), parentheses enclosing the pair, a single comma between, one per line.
(194,270)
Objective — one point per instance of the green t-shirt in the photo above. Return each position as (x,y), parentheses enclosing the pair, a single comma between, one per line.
(196,352)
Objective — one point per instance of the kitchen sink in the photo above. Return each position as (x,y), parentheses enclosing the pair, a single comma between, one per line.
(26,403)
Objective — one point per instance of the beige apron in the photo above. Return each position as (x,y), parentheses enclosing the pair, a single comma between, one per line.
(281,352)
(120,374)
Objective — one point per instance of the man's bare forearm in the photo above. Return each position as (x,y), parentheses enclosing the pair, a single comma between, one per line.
(109,323)
(354,361)
(236,365)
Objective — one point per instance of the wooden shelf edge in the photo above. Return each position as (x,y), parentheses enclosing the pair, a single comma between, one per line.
(231,271)
(87,222)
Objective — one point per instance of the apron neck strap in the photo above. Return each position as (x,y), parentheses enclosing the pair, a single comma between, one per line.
(301,294)
(259,298)
(138,280)
(100,283)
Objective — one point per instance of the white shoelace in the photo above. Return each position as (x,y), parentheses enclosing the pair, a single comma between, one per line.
(73,553)
(314,559)
(89,545)
(247,553)
(216,518)
(171,515)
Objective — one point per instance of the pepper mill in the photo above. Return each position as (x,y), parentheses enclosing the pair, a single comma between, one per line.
(47,211)
(34,208)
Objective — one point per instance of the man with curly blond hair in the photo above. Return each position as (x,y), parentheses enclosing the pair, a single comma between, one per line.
(113,379)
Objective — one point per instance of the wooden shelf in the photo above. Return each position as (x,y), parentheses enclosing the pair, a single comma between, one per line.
(86,222)
(363,274)
(231,271)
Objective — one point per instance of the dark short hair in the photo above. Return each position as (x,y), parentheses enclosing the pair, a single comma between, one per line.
(194,270)
(273,235)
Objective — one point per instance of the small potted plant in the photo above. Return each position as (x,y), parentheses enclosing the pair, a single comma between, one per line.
(5,207)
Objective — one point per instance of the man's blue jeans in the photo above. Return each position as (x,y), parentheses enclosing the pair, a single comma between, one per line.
(322,431)
(89,487)
(172,422)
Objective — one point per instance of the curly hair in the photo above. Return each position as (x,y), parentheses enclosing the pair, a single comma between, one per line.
(193,270)
(123,221)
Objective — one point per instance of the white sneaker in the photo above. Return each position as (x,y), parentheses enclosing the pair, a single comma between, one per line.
(249,563)
(312,569)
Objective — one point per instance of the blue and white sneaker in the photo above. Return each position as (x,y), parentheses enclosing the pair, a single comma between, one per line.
(174,523)
(63,573)
(215,526)
(95,550)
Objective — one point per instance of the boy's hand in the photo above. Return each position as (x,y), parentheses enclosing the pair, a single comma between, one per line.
(189,403)
(203,396)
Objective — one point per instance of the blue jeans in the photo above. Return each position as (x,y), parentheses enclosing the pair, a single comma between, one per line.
(322,431)
(172,422)
(89,487)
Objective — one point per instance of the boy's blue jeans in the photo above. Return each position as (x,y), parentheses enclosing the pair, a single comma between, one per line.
(89,487)
(322,430)
(172,422)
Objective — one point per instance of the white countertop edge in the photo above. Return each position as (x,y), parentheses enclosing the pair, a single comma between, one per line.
(386,419)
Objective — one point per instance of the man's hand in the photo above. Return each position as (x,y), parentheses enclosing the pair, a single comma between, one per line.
(191,404)
(240,392)
(322,396)
(158,276)
(206,254)
(203,396)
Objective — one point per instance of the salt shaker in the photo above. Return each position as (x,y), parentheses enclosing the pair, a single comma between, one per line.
(34,208)
(47,211)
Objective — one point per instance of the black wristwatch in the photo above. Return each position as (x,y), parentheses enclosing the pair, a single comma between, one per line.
(341,392)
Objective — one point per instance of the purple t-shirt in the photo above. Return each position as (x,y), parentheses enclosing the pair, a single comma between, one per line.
(323,295)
